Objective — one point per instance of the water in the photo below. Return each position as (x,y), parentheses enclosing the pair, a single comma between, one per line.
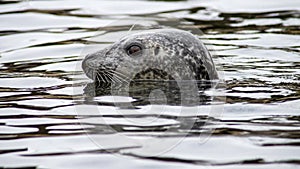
(50,119)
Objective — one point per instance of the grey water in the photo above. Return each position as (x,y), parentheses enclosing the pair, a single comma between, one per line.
(53,116)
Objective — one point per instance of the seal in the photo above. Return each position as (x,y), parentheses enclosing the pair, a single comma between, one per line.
(164,54)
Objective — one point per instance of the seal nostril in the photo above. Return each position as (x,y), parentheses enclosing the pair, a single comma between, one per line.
(156,50)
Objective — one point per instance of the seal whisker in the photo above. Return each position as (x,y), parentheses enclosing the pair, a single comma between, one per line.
(99,75)
(113,78)
(110,77)
(118,76)
(106,77)
(118,73)
(98,80)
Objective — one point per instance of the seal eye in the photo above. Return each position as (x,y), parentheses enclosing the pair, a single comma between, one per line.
(134,50)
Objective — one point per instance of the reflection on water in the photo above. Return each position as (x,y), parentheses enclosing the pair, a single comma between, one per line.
(51,116)
(145,92)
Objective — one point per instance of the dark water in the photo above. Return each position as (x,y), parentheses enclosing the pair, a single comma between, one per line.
(50,119)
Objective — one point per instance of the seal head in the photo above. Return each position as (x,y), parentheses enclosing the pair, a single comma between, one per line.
(164,54)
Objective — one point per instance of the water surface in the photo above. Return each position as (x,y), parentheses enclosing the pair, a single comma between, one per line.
(49,119)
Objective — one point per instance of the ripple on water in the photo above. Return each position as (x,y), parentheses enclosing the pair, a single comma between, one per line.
(22,40)
(213,151)
(39,21)
(16,130)
(37,121)
(31,82)
(42,53)
(262,40)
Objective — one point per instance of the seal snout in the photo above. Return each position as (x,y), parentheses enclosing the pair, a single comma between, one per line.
(90,66)
(89,62)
